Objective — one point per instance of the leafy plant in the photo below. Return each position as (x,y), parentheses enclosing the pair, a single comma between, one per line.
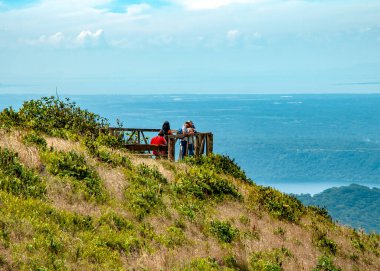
(223,230)
(280,205)
(144,194)
(35,139)
(321,241)
(203,264)
(270,260)
(72,164)
(325,263)
(203,183)
(218,163)
(17,179)
(50,115)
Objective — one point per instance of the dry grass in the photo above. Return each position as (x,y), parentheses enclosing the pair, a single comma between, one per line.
(28,155)
(114,181)
(60,144)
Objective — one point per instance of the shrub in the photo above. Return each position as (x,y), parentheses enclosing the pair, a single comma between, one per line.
(72,164)
(174,237)
(17,179)
(202,184)
(218,163)
(325,263)
(104,155)
(270,260)
(50,115)
(203,264)
(280,205)
(223,230)
(320,211)
(321,241)
(144,194)
(35,139)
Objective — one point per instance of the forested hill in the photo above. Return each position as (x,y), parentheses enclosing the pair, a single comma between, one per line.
(354,205)
(72,198)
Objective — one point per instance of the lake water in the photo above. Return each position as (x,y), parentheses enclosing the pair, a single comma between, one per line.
(296,143)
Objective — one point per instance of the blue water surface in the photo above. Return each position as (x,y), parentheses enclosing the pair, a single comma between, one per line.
(297,143)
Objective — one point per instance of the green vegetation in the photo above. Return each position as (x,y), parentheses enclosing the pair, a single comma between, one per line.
(54,117)
(94,206)
(354,205)
(204,183)
(73,165)
(271,260)
(280,205)
(34,139)
(218,163)
(17,179)
(325,263)
(144,194)
(223,230)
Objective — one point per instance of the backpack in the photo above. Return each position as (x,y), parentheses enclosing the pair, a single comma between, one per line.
(179,132)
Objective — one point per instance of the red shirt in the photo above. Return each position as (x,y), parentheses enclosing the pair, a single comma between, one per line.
(158,140)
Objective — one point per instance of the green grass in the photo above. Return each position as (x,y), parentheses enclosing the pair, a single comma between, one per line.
(73,165)
(223,231)
(17,179)
(280,205)
(144,193)
(271,260)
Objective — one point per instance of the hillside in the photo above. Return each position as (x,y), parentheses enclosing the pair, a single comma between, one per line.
(354,205)
(72,199)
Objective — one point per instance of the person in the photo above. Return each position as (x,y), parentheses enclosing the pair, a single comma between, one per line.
(191,130)
(187,143)
(166,128)
(159,140)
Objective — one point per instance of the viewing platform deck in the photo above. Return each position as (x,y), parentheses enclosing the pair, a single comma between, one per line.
(137,141)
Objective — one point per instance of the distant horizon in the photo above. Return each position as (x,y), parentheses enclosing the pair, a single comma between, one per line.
(189,93)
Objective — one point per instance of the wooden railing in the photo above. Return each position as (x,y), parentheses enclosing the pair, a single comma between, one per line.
(137,141)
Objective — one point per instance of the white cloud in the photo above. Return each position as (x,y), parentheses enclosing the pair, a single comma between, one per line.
(54,40)
(85,38)
(133,10)
(232,35)
(88,38)
(210,4)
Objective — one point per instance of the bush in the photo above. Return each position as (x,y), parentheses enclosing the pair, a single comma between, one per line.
(320,211)
(269,260)
(74,165)
(104,155)
(51,115)
(325,263)
(223,230)
(280,205)
(144,194)
(17,179)
(35,139)
(218,163)
(321,241)
(203,183)
(203,264)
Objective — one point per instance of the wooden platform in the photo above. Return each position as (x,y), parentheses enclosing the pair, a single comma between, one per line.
(136,141)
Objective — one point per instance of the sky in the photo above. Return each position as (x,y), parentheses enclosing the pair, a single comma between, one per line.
(189,46)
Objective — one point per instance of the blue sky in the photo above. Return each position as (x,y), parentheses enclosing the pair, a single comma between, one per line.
(189,46)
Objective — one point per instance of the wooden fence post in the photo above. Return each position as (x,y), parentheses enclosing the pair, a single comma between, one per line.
(171,148)
(210,142)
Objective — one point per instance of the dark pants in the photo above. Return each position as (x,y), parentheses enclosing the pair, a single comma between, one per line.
(184,148)
(191,149)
